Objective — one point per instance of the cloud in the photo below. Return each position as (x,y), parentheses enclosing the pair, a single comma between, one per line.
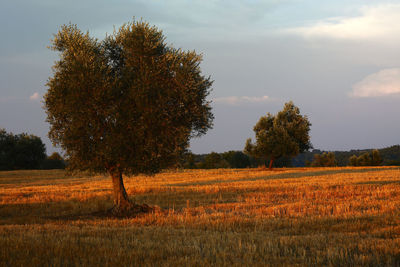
(35,96)
(238,100)
(382,83)
(381,21)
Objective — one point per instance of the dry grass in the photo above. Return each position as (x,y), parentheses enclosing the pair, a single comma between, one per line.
(305,217)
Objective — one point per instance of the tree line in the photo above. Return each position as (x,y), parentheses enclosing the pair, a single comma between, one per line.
(389,156)
(26,152)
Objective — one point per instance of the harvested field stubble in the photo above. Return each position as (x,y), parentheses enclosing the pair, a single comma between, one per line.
(315,216)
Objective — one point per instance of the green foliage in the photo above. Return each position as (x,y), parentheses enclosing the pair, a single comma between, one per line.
(7,150)
(213,160)
(20,151)
(376,159)
(353,160)
(284,135)
(188,161)
(126,104)
(237,159)
(324,160)
(390,156)
(366,159)
(54,161)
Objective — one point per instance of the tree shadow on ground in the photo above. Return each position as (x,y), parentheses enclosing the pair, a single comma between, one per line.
(101,207)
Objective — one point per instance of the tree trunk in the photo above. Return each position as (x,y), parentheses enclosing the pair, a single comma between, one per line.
(271,164)
(121,201)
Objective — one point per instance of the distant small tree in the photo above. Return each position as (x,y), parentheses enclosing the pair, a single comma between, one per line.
(366,159)
(188,160)
(376,159)
(324,160)
(285,134)
(236,159)
(31,151)
(54,161)
(214,161)
(353,161)
(390,155)
(128,104)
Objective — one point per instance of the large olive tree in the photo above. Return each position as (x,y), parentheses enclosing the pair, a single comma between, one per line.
(285,134)
(127,104)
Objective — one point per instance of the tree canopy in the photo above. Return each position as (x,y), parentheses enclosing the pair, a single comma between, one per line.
(21,151)
(326,159)
(285,134)
(54,161)
(127,104)
(366,159)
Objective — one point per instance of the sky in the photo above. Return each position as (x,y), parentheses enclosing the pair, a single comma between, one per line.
(338,61)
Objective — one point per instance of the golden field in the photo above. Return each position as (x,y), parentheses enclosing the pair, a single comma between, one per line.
(247,217)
